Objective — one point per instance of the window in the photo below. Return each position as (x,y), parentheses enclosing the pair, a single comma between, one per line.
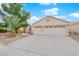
(50,26)
(38,26)
(57,26)
(45,26)
(60,26)
(47,20)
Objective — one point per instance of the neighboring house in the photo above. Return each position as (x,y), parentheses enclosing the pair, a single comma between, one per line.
(51,26)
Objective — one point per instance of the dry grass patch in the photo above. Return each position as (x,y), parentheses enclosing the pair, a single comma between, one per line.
(74,35)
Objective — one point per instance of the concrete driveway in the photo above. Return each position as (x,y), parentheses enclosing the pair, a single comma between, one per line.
(42,45)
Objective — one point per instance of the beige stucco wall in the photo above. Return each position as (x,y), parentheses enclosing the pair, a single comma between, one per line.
(48,21)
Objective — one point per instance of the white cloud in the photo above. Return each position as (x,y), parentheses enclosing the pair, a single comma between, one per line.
(76,15)
(53,11)
(47,3)
(33,19)
(54,4)
(60,17)
(44,3)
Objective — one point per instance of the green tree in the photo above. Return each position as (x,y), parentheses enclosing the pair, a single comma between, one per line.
(13,16)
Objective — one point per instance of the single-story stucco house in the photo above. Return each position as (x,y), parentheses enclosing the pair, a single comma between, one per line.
(51,26)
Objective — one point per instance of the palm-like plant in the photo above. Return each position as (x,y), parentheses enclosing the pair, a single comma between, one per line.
(13,16)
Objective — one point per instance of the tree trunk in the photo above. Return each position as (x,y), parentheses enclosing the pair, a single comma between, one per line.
(13,33)
(24,30)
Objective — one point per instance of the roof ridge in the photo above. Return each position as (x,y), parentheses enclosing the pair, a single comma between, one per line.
(51,17)
(58,18)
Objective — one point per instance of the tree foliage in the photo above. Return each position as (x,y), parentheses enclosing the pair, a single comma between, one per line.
(13,16)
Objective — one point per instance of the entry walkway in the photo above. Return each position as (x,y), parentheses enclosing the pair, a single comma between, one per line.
(42,45)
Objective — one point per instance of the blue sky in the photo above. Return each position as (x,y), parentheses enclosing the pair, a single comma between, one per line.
(65,11)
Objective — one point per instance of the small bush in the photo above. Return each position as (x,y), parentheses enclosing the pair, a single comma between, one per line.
(3,30)
(70,32)
(76,33)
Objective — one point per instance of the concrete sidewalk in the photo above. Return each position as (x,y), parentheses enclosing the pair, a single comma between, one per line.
(9,51)
(42,45)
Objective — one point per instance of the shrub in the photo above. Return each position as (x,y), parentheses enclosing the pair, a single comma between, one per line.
(76,33)
(2,30)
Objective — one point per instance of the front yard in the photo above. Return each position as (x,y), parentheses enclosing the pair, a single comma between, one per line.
(6,39)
